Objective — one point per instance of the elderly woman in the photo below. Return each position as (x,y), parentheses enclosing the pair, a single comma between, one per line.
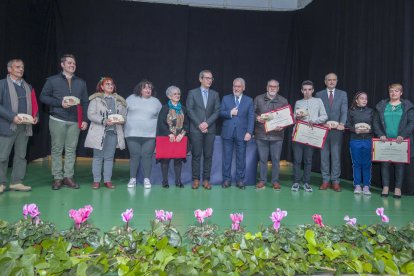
(394,118)
(140,130)
(172,122)
(106,112)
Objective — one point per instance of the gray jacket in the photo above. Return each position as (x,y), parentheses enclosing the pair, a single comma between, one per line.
(6,113)
(57,87)
(263,104)
(97,114)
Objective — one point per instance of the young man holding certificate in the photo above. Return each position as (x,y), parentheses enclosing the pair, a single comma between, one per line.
(312,111)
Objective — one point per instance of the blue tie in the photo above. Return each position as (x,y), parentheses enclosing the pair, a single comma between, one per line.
(205,97)
(237,101)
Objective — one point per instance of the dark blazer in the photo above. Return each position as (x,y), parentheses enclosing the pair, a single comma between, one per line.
(339,110)
(197,113)
(244,121)
(163,128)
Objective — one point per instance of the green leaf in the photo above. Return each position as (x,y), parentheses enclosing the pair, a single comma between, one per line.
(310,237)
(248,236)
(81,269)
(331,253)
(7,264)
(367,267)
(162,243)
(391,267)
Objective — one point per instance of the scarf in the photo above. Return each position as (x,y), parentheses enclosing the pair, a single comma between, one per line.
(15,102)
(177,107)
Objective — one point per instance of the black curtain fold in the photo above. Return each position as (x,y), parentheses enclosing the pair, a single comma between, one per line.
(369,44)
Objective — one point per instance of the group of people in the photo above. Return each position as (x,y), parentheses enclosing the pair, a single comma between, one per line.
(141,118)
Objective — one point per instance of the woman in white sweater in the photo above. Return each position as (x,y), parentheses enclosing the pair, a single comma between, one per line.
(140,130)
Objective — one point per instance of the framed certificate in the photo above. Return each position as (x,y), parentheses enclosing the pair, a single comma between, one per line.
(313,136)
(390,151)
(281,117)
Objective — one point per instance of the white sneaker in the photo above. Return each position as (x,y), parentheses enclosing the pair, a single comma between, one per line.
(147,183)
(366,190)
(295,187)
(307,188)
(357,190)
(132,183)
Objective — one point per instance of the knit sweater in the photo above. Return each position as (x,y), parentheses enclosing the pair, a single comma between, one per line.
(142,116)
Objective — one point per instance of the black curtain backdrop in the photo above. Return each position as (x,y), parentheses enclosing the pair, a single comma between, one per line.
(369,44)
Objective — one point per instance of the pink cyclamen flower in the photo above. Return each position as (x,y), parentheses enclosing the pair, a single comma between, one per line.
(380,212)
(277,217)
(350,221)
(81,215)
(236,221)
(168,215)
(160,215)
(127,215)
(318,220)
(208,212)
(76,216)
(200,215)
(31,210)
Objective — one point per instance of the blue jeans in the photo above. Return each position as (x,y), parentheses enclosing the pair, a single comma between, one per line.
(361,161)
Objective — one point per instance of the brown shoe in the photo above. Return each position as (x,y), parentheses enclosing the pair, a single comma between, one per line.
(336,187)
(260,185)
(70,183)
(109,185)
(57,184)
(324,186)
(95,185)
(196,183)
(276,186)
(206,185)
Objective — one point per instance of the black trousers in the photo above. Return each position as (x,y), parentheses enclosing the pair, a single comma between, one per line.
(201,144)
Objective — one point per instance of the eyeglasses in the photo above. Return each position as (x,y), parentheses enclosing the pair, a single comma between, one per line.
(273,86)
(208,78)
(176,94)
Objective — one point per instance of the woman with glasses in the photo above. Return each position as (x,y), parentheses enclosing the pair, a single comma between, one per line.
(106,112)
(172,122)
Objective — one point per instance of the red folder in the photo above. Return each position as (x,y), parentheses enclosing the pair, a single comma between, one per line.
(166,149)
(35,107)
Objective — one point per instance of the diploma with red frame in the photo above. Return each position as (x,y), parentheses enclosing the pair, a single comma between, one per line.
(166,149)
(281,117)
(391,151)
(313,136)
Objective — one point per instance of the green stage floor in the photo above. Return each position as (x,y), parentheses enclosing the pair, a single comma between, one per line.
(256,205)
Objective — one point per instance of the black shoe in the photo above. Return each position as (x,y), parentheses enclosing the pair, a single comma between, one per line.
(179,184)
(226,184)
(240,185)
(385,195)
(397,196)
(165,185)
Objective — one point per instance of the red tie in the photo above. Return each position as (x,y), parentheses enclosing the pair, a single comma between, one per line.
(330,97)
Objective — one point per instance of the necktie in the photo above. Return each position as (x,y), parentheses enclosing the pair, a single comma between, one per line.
(330,97)
(205,97)
(237,101)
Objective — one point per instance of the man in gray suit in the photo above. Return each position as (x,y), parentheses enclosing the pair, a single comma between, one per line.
(336,106)
(203,109)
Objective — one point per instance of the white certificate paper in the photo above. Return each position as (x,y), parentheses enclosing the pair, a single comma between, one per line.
(390,151)
(281,117)
(314,136)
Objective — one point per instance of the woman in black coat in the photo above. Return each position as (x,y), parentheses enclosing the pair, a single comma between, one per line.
(172,122)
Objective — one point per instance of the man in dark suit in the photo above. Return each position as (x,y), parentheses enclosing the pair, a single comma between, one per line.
(238,122)
(336,106)
(203,109)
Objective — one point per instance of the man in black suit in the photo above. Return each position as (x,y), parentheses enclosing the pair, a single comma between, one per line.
(203,109)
